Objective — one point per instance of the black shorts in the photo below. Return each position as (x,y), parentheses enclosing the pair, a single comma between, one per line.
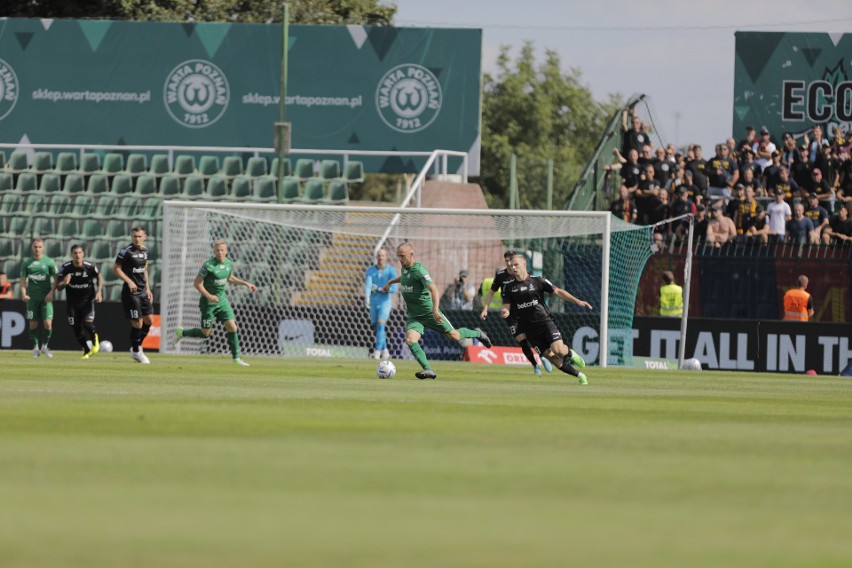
(512,322)
(136,305)
(542,335)
(80,312)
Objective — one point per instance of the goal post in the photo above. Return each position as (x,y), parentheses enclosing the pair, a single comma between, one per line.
(308,262)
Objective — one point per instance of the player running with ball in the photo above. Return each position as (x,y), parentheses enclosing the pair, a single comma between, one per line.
(525,298)
(421,300)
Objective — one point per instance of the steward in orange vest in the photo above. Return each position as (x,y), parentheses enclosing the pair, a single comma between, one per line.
(797,303)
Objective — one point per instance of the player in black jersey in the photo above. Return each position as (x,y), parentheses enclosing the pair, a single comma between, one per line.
(526,297)
(501,278)
(131,266)
(83,285)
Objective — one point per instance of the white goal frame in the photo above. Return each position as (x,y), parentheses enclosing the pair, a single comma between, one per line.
(175,223)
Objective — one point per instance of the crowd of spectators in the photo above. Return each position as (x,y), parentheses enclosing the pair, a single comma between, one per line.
(797,191)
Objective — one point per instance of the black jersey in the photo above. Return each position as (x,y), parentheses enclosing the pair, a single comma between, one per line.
(501,278)
(84,282)
(527,299)
(133,262)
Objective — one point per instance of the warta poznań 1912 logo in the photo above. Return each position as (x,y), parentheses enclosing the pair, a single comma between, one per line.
(9,88)
(196,93)
(409,98)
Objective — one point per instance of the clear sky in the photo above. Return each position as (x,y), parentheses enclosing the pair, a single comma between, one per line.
(679,53)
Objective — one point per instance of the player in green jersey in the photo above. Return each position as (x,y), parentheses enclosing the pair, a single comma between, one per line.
(421,300)
(210,282)
(37,274)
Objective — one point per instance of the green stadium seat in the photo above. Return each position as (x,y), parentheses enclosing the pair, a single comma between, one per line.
(170,186)
(36,203)
(12,268)
(329,169)
(291,190)
(273,170)
(92,229)
(98,184)
(122,184)
(50,183)
(12,204)
(18,163)
(314,191)
(43,228)
(2,159)
(209,165)
(256,167)
(53,249)
(66,163)
(159,165)
(84,205)
(73,184)
(69,228)
(59,205)
(42,162)
(265,188)
(193,187)
(117,229)
(217,187)
(129,207)
(304,169)
(146,185)
(353,172)
(137,164)
(26,182)
(101,252)
(17,226)
(184,165)
(113,164)
(338,193)
(90,164)
(109,273)
(7,181)
(241,189)
(107,206)
(151,210)
(8,249)
(232,166)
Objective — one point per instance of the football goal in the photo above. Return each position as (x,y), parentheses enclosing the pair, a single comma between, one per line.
(308,262)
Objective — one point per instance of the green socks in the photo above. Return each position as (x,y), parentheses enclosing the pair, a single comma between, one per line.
(466,333)
(419,355)
(233,343)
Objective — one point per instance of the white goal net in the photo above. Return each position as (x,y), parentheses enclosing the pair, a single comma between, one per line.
(308,263)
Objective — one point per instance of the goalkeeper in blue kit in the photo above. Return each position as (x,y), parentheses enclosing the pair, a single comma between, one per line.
(379,301)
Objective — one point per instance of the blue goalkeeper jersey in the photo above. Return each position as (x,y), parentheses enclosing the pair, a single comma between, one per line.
(375,280)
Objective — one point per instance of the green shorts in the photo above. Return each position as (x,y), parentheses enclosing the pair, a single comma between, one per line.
(211,313)
(39,310)
(419,324)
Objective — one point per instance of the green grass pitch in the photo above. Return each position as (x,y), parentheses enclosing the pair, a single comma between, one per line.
(191,462)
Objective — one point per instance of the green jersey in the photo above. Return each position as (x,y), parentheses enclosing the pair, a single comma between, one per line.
(414,284)
(214,276)
(40,275)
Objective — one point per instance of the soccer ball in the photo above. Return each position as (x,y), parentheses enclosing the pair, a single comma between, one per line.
(105,346)
(692,365)
(385,370)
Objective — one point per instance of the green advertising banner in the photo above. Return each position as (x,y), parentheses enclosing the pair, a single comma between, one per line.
(217,84)
(790,82)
